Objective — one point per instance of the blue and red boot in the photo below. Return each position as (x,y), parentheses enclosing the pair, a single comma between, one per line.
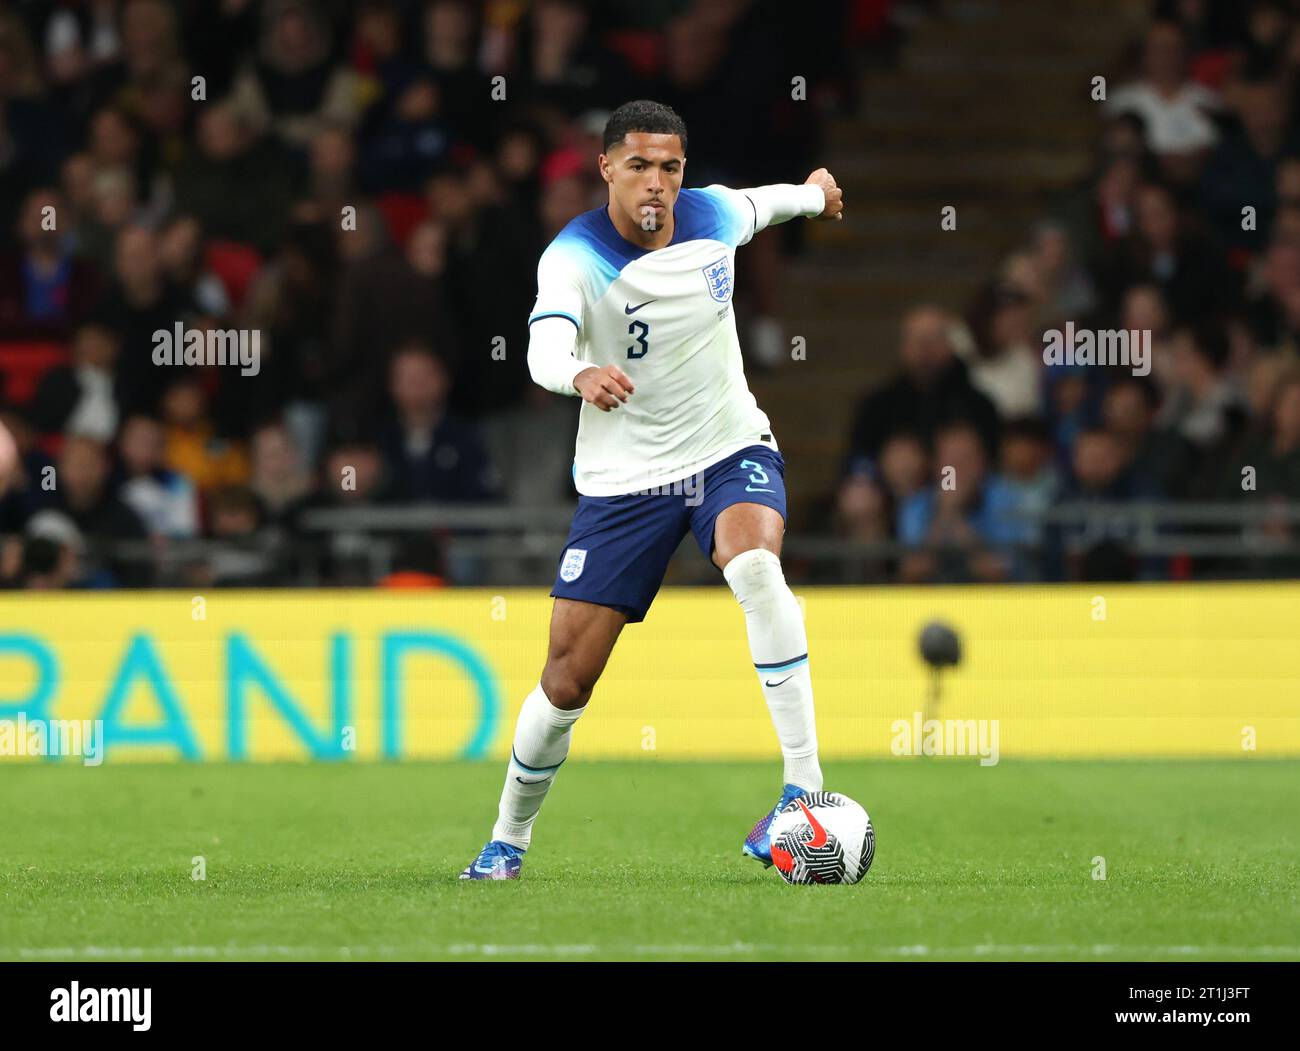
(497,860)
(758,845)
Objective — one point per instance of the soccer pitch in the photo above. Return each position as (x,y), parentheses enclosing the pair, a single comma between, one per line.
(641,861)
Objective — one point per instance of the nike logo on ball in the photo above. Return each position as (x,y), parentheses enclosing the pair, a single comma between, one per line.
(628,308)
(819,833)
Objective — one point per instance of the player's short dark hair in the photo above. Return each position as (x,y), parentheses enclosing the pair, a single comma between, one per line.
(643,115)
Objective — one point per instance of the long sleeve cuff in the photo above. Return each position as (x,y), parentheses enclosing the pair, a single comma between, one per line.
(551,361)
(780,202)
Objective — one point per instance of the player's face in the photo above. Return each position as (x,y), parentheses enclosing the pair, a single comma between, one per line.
(644,172)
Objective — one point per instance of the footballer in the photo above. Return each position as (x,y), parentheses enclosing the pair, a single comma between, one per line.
(634,315)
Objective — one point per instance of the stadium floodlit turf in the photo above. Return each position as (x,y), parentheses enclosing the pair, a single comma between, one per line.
(641,860)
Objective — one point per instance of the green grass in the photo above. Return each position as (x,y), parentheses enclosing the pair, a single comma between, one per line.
(642,861)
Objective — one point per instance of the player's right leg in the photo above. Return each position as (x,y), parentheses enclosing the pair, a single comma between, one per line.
(618,550)
(582,638)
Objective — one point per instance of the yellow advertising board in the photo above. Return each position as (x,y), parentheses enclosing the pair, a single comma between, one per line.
(1104,670)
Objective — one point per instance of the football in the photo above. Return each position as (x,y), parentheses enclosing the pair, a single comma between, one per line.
(823,837)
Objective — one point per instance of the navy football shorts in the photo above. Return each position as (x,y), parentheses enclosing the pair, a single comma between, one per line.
(619,546)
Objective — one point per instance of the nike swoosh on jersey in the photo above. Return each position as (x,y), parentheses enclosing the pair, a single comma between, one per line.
(629,309)
(786,679)
(819,833)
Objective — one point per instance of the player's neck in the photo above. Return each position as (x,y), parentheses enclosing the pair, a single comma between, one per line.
(633,232)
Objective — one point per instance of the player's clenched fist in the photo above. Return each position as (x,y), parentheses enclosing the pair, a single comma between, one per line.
(606,387)
(834,195)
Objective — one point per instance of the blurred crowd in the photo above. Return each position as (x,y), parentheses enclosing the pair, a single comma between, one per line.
(1188,227)
(367,185)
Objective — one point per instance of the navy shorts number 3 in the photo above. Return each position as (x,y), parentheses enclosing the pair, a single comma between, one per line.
(619,546)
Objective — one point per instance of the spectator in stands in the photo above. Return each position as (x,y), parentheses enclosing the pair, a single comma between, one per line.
(408,144)
(1098,474)
(1067,289)
(429,453)
(113,144)
(280,481)
(384,302)
(1177,112)
(381,57)
(1274,455)
(931,389)
(1286,194)
(354,474)
(331,176)
(151,50)
(869,498)
(84,497)
(81,397)
(44,289)
(1165,251)
(233,512)
(1007,363)
(1099,215)
(47,564)
(1242,169)
(77,183)
(244,557)
(1273,306)
(291,88)
(1201,406)
(565,67)
(491,275)
(195,288)
(231,154)
(1143,309)
(1098,470)
(79,40)
(862,511)
(1028,471)
(901,471)
(138,304)
(963,518)
(1272,463)
(1160,461)
(165,500)
(194,448)
(292,303)
(450,37)
(904,468)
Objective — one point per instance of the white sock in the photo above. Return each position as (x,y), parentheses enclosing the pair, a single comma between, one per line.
(541,744)
(779,646)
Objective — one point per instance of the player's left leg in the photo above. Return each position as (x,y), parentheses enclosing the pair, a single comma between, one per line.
(747,548)
(739,525)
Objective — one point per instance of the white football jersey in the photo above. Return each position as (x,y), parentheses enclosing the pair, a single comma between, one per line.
(664,317)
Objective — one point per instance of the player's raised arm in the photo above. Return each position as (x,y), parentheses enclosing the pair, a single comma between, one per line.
(816,198)
(833,196)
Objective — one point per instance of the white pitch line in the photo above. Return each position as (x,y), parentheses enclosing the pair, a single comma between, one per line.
(97,952)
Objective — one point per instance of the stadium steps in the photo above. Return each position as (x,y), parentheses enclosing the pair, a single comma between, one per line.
(988,110)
